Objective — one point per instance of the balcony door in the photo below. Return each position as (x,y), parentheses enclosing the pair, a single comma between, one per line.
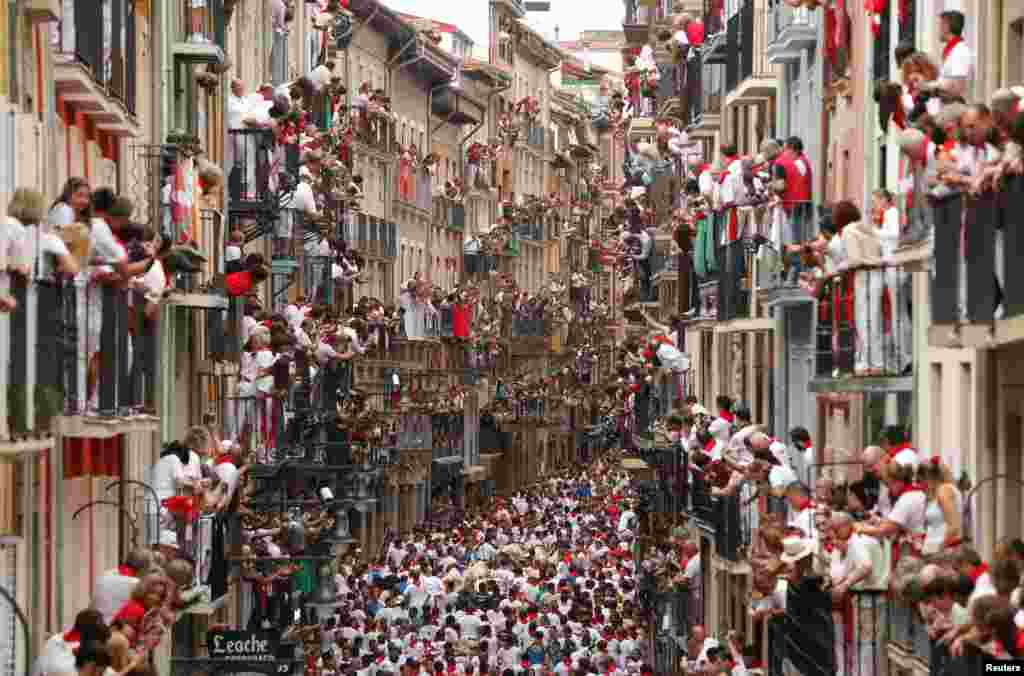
(799,368)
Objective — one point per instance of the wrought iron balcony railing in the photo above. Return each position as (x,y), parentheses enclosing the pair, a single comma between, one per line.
(962,287)
(865,324)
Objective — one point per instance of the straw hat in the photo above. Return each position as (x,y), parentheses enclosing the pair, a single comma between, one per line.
(796,548)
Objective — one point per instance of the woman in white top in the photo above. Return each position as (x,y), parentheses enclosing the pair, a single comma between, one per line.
(168,478)
(38,253)
(943,518)
(73,204)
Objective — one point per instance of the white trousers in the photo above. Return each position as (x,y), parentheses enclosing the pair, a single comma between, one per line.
(899,340)
(867,312)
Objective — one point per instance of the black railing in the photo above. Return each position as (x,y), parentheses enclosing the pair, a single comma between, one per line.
(966,284)
(694,89)
(753,35)
(733,49)
(373,236)
(94,352)
(865,324)
(249,176)
(733,281)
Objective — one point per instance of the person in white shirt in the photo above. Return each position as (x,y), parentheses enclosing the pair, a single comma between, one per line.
(906,519)
(58,655)
(897,347)
(301,203)
(957,73)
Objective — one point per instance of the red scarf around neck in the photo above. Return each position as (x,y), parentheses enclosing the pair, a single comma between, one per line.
(896,450)
(950,45)
(805,504)
(726,416)
(908,488)
(710,446)
(978,571)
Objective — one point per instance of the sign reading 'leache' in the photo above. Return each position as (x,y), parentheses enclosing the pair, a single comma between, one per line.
(242,646)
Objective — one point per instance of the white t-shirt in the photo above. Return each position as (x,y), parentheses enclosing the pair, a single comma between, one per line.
(959,65)
(61,214)
(166,473)
(908,512)
(113,590)
(106,248)
(890,231)
(865,550)
(232,252)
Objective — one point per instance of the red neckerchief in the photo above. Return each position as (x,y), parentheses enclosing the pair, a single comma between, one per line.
(908,488)
(950,45)
(726,416)
(72,637)
(805,504)
(226,458)
(127,571)
(708,447)
(896,450)
(977,571)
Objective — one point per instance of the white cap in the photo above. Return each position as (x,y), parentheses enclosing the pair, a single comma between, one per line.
(780,478)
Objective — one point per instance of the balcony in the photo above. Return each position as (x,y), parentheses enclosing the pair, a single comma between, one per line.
(72,352)
(735,261)
(891,630)
(968,308)
(451,215)
(636,23)
(791,32)
(374,237)
(705,91)
(864,337)
(530,232)
(449,105)
(200,36)
(374,135)
(95,79)
(535,137)
(715,50)
(251,185)
(415,188)
(749,76)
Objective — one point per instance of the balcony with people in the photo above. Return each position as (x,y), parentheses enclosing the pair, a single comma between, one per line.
(706,92)
(99,77)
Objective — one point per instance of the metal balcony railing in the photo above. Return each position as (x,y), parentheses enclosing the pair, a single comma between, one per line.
(202,22)
(530,231)
(962,286)
(72,350)
(373,236)
(113,63)
(734,262)
(865,324)
(249,173)
(805,635)
(782,17)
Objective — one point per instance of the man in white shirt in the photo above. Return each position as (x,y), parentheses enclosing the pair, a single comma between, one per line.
(957,73)
(301,203)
